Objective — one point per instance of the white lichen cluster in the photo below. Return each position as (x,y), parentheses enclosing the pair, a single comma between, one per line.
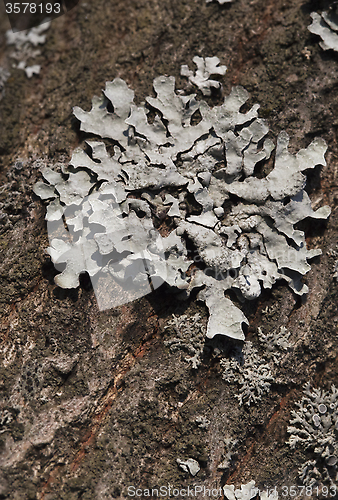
(326,26)
(190,465)
(314,427)
(205,68)
(189,337)
(177,200)
(248,492)
(250,371)
(24,47)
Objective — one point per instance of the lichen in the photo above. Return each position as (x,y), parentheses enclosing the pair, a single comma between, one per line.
(229,454)
(250,371)
(179,202)
(314,428)
(4,75)
(205,68)
(189,337)
(248,492)
(275,343)
(24,47)
(326,26)
(190,465)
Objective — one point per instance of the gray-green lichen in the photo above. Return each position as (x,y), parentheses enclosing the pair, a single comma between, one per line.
(314,427)
(194,166)
(252,372)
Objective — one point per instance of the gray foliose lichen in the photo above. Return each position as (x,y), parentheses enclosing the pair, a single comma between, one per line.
(326,26)
(314,427)
(177,200)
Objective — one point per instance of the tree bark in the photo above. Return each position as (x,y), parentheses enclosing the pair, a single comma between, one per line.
(93,402)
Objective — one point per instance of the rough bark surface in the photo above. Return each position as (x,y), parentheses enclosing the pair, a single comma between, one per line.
(92,402)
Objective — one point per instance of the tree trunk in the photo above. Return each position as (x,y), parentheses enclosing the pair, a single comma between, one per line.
(93,402)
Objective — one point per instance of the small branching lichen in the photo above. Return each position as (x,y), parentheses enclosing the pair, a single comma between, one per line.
(250,371)
(275,343)
(229,454)
(314,427)
(189,337)
(179,201)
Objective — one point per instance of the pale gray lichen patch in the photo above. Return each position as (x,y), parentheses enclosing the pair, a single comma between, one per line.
(205,68)
(29,70)
(229,454)
(189,337)
(203,422)
(276,343)
(326,26)
(32,36)
(24,45)
(248,492)
(190,465)
(314,427)
(250,371)
(105,207)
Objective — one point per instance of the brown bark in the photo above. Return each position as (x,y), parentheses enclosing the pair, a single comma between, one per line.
(92,402)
